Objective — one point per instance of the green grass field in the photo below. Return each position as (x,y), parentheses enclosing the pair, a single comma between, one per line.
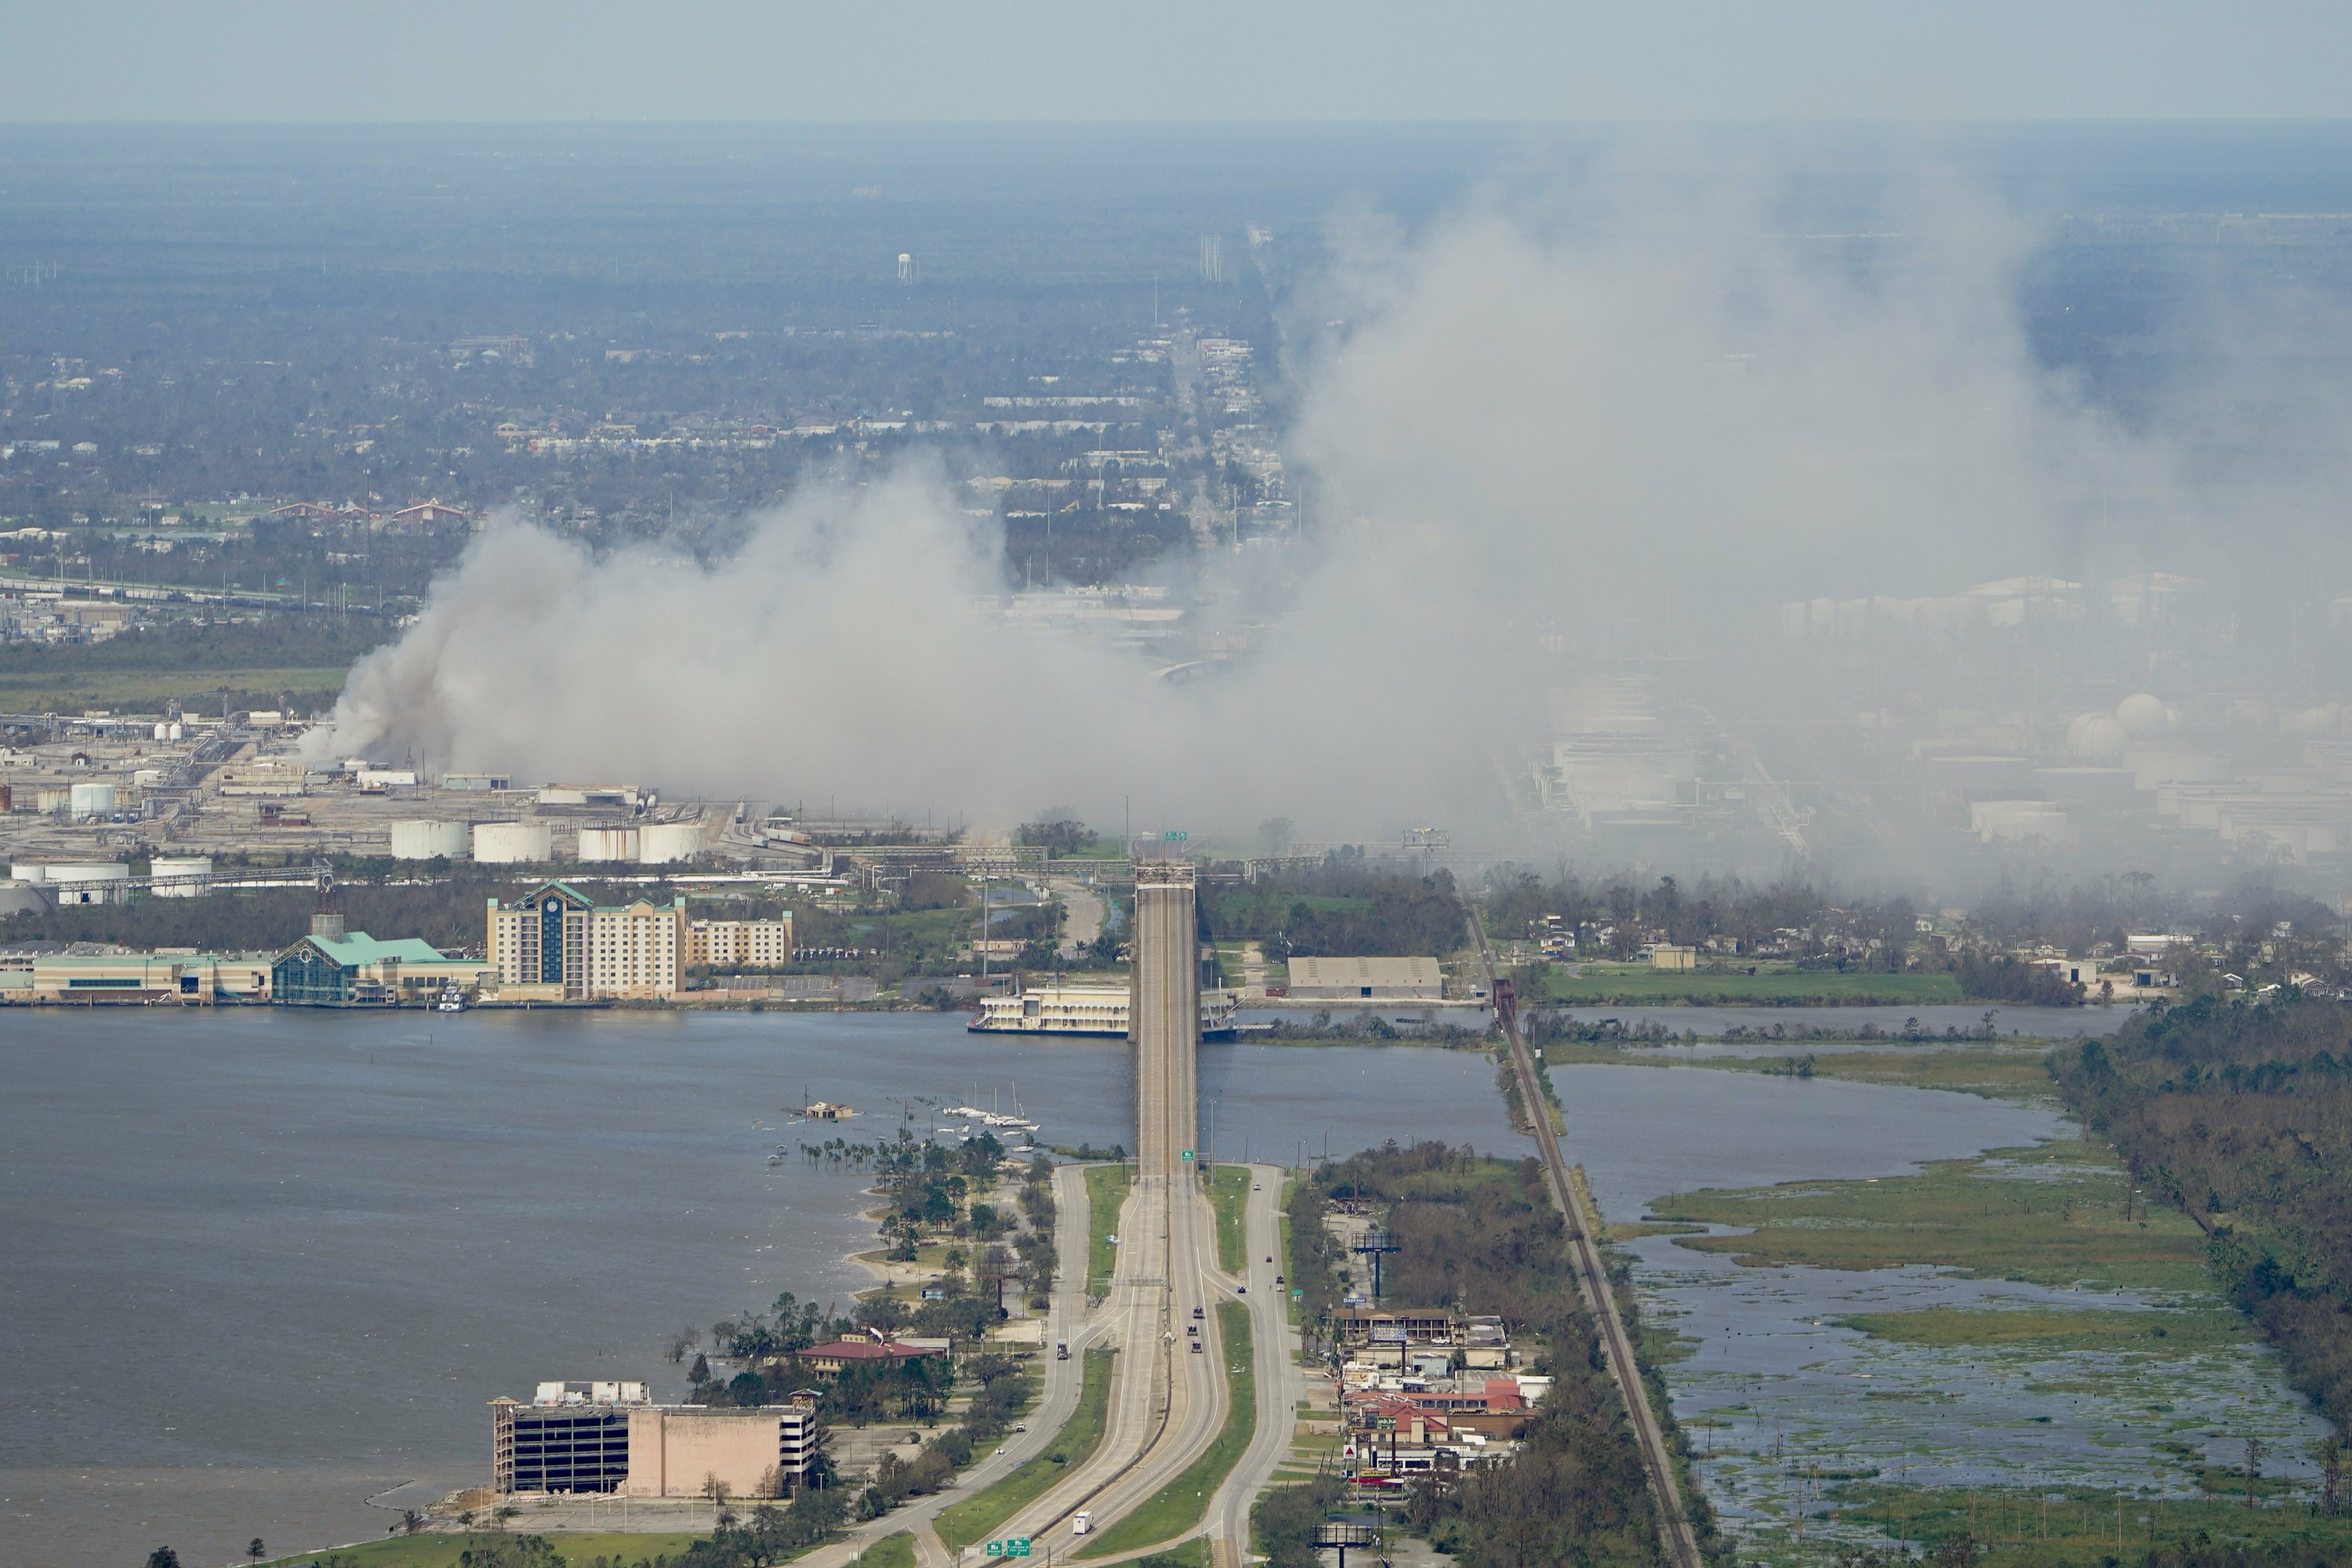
(1996,1072)
(1105,1193)
(978,1515)
(2058,1527)
(1633,985)
(144,690)
(447,1551)
(1229,1188)
(890,1551)
(1186,1499)
(2065,1226)
(2166,1333)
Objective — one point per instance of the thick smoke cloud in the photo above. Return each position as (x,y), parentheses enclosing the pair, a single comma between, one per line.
(1617,416)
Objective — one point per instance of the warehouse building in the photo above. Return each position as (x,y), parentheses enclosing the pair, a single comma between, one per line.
(1363,979)
(144,977)
(556,944)
(611,1437)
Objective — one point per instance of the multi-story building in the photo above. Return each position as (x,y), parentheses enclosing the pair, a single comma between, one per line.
(740,944)
(555,944)
(611,1437)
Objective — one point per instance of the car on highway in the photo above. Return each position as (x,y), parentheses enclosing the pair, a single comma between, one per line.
(1196,1347)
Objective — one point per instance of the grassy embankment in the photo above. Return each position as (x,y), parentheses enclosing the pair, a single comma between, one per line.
(891,1551)
(1229,1188)
(578,1548)
(1106,1195)
(978,1515)
(1636,984)
(1181,1505)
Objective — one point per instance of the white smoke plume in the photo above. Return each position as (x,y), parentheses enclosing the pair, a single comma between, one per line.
(1618,412)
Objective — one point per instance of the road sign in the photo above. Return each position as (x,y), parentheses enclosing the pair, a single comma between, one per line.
(1188,1153)
(1175,836)
(1015,1546)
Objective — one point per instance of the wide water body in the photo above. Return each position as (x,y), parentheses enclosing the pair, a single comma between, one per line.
(264,1264)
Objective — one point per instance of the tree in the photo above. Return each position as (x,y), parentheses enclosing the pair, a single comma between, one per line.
(255,1550)
(162,1557)
(1061,838)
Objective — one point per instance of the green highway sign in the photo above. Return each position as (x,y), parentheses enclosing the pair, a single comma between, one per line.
(1017,1546)
(1175,836)
(1188,1153)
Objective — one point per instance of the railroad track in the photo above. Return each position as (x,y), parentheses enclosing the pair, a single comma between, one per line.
(1591,1279)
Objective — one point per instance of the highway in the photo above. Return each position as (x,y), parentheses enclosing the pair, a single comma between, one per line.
(1167,1403)
(1591,1279)
(1281,1382)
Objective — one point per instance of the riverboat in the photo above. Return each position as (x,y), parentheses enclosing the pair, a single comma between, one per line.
(1087,1011)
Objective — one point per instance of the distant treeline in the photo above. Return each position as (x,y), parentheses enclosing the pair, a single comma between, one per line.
(288,641)
(447,915)
(1343,907)
(1480,1235)
(1516,900)
(2241,1114)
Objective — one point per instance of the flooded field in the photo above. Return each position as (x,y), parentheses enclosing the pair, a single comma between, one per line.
(1991,1321)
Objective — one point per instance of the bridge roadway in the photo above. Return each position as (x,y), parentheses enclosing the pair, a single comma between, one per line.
(1167,1404)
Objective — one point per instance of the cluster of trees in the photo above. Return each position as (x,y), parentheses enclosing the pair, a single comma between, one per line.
(448,914)
(1347,905)
(1516,900)
(288,641)
(1997,977)
(2241,1114)
(1061,836)
(1039,1258)
(1480,1234)
(1000,1391)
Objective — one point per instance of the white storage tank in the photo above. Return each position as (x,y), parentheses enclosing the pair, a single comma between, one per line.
(513,843)
(180,877)
(424,838)
(20,897)
(91,800)
(665,843)
(92,882)
(608,844)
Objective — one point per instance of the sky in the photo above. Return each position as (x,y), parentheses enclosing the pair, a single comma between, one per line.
(1029,61)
